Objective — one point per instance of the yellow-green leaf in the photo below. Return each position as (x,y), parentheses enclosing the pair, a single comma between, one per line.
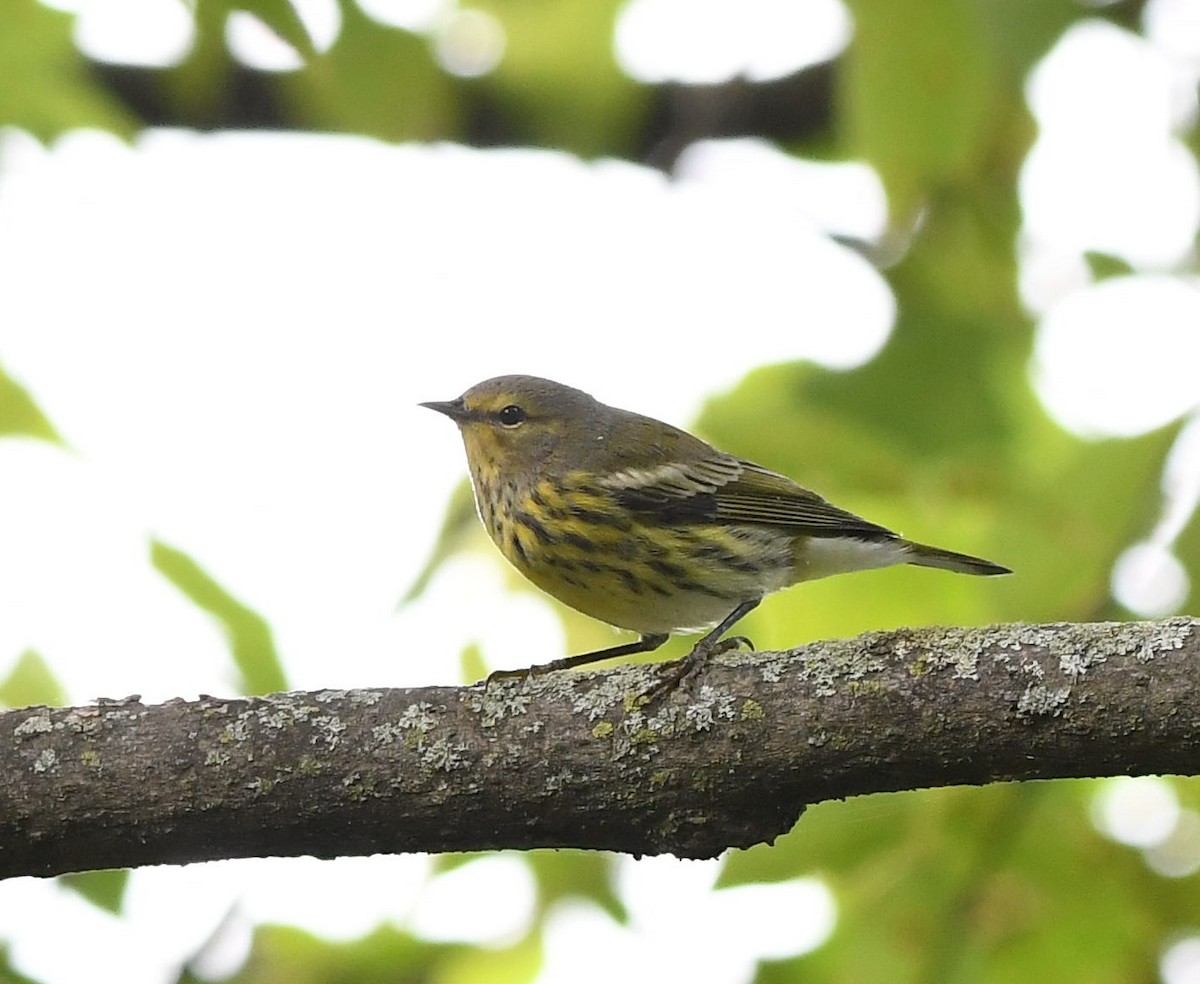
(460,528)
(19,414)
(46,89)
(917,94)
(31,682)
(249,635)
(104,889)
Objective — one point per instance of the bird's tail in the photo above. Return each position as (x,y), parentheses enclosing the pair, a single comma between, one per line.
(948,560)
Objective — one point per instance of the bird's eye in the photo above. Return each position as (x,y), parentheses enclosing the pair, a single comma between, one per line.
(511,415)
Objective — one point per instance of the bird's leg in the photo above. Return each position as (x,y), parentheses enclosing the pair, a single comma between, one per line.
(712,644)
(647,643)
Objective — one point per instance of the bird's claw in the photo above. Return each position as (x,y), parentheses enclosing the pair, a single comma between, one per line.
(679,672)
(524,675)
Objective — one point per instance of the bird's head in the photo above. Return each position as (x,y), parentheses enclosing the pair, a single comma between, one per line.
(513,424)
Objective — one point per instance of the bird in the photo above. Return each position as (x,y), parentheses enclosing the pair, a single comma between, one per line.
(648,528)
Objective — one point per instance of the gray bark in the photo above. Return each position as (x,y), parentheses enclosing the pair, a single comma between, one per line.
(576,760)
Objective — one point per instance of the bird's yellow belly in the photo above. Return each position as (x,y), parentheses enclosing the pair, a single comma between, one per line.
(650,579)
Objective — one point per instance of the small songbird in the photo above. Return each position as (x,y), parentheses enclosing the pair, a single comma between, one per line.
(641,525)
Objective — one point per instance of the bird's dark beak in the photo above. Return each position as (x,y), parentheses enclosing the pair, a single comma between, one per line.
(454,409)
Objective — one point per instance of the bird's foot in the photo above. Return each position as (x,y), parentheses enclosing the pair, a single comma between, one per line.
(679,672)
(522,675)
(733,642)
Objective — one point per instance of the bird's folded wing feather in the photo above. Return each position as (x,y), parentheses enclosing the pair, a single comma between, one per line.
(722,488)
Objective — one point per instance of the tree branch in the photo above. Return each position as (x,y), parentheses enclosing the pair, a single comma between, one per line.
(571,760)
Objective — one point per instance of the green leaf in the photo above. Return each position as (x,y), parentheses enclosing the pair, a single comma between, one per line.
(1104,266)
(559,874)
(1072,507)
(956,360)
(20,415)
(1187,549)
(281,17)
(516,964)
(31,682)
(576,874)
(46,88)
(386,956)
(200,87)
(104,889)
(205,85)
(460,528)
(248,632)
(918,94)
(559,77)
(471,662)
(1020,32)
(942,438)
(452,860)
(376,80)
(960,884)
(7,974)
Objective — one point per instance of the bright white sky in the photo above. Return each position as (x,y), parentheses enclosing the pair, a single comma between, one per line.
(232,333)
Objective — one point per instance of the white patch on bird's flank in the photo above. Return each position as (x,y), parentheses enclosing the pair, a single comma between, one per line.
(823,556)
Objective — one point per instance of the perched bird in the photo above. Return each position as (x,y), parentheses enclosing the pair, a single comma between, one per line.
(641,525)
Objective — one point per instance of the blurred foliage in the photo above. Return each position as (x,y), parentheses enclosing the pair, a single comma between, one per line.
(412,98)
(7,974)
(104,889)
(20,415)
(559,82)
(249,634)
(566,874)
(31,681)
(1004,883)
(1187,549)
(46,86)
(1104,267)
(940,436)
(936,56)
(387,956)
(460,528)
(472,665)
(558,875)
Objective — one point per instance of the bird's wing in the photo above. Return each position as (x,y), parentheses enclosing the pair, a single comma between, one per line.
(721,488)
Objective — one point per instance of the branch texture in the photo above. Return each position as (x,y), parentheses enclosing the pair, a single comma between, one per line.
(576,760)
